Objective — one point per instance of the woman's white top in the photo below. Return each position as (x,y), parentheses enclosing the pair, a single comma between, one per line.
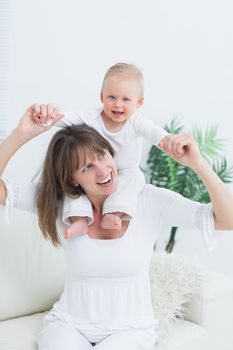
(108,287)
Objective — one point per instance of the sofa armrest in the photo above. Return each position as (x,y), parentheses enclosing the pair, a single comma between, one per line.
(212,306)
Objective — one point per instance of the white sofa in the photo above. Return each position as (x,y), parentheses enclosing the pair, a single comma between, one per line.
(32,275)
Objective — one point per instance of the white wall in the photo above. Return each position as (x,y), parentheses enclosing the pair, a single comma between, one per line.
(60,50)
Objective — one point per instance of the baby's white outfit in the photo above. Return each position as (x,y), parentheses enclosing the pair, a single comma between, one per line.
(127,144)
(106,298)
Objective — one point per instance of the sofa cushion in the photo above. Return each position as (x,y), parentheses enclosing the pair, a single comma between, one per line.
(22,334)
(32,271)
(184,335)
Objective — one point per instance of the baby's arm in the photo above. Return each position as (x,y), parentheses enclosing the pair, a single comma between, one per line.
(147,129)
(155,134)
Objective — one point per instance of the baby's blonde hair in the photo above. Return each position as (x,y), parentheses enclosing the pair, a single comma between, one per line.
(127,70)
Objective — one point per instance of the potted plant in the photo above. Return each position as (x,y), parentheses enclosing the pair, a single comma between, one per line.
(163,171)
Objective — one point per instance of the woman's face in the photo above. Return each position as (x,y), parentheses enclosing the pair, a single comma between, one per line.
(97,174)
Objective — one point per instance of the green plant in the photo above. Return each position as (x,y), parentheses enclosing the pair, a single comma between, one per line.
(163,171)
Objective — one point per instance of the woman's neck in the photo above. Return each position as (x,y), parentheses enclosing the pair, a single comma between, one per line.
(97,202)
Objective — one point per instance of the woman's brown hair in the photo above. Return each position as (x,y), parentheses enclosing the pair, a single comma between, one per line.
(66,148)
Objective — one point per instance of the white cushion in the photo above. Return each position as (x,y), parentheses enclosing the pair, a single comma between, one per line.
(22,334)
(32,271)
(184,335)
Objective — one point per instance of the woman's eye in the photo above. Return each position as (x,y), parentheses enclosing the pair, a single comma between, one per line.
(86,168)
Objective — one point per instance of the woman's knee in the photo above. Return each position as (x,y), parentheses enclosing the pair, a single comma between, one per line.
(60,336)
(134,339)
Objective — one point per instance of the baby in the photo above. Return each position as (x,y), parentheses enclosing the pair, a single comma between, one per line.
(120,122)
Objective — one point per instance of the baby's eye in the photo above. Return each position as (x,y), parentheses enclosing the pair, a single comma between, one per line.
(111,97)
(125,99)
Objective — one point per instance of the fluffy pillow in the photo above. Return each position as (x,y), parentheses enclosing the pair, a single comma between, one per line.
(174,280)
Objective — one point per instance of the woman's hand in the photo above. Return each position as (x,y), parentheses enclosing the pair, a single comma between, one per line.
(182,148)
(29,127)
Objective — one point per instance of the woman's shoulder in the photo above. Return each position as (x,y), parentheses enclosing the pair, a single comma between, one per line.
(152,202)
(157,194)
(150,189)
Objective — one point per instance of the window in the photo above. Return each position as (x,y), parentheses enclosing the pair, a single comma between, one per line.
(4,31)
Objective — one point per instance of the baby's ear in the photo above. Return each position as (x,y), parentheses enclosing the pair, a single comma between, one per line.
(140,101)
(101,96)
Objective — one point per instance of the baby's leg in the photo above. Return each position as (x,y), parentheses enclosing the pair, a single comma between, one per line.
(77,214)
(123,201)
(78,227)
(112,221)
(57,335)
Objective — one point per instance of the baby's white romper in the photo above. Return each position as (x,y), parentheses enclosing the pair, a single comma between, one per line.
(127,144)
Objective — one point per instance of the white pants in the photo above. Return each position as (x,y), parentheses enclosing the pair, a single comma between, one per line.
(124,199)
(58,335)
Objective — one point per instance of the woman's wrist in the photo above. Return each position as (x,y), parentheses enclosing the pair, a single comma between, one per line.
(20,137)
(9,146)
(201,166)
(17,137)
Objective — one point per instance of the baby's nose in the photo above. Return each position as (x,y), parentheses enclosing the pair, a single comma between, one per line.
(117,103)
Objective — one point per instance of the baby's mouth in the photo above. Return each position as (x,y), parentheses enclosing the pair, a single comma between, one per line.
(117,113)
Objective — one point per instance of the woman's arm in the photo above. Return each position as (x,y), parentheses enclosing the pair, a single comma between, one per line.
(24,132)
(220,195)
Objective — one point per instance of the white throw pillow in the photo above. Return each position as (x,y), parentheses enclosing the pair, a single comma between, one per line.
(174,280)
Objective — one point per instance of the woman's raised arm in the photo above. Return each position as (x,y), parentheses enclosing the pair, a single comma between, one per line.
(184,149)
(24,132)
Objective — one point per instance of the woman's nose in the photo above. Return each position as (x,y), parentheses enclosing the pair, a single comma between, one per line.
(100,171)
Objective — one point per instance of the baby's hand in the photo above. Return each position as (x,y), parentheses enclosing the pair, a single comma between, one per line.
(170,145)
(44,115)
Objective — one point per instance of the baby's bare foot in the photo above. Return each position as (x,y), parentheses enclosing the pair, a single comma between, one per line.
(76,228)
(111,222)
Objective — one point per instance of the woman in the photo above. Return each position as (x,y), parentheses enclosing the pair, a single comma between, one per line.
(106,300)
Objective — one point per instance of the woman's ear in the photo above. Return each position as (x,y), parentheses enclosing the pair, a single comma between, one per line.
(140,101)
(75,183)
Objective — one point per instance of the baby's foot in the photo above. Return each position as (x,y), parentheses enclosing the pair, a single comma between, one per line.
(76,228)
(111,222)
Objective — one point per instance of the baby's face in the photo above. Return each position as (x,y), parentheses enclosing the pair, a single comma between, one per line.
(120,97)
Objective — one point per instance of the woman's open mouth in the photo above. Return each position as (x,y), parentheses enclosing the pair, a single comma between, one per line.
(106,180)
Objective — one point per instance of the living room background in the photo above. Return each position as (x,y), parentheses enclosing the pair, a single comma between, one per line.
(60,50)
